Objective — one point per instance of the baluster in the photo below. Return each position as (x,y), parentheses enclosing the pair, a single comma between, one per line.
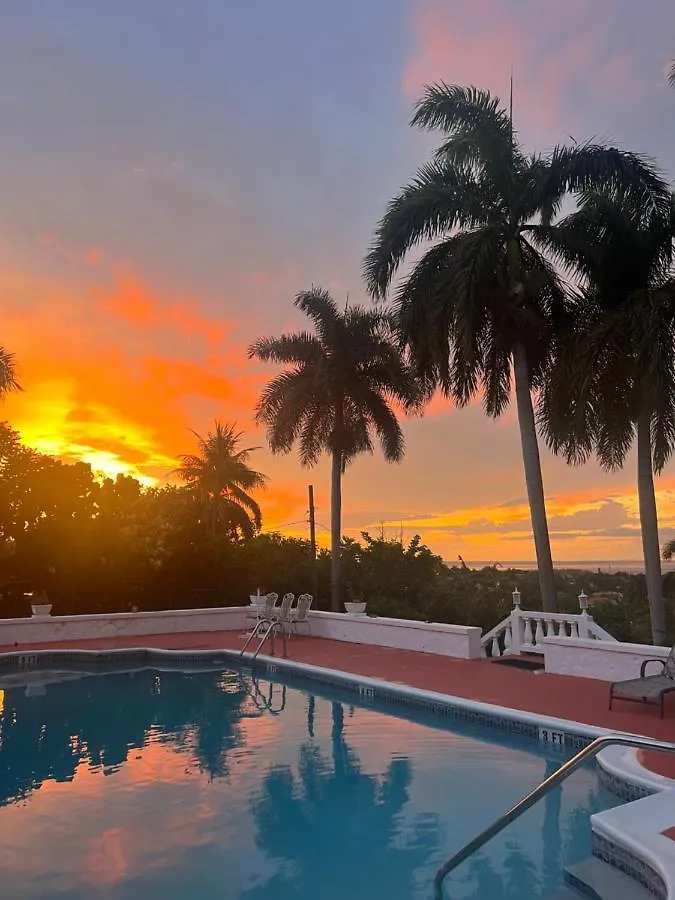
(496,649)
(527,635)
(574,630)
(483,651)
(550,628)
(562,629)
(508,638)
(539,632)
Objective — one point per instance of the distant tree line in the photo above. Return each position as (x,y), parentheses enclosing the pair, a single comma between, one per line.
(98,546)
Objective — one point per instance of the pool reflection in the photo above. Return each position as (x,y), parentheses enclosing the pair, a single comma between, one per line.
(338,828)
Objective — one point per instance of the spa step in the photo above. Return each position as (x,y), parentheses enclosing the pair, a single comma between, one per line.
(597,879)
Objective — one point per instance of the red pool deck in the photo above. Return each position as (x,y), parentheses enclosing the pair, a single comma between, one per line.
(577,699)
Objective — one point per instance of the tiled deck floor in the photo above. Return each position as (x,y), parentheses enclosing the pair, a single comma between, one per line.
(581,700)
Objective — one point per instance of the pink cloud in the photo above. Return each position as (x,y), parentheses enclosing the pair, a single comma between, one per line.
(559,58)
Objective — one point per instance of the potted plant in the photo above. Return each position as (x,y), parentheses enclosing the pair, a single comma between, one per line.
(39,603)
(356,605)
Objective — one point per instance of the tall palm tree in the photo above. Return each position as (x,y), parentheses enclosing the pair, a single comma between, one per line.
(336,393)
(220,476)
(613,379)
(480,309)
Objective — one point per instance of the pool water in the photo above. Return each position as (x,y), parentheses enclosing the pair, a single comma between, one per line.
(199,785)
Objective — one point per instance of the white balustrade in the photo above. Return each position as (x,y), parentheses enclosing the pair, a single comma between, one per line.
(524,631)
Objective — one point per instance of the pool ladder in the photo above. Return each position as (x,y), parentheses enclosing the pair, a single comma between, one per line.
(588,752)
(270,627)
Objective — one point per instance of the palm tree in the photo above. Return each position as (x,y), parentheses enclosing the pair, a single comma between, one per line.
(335,394)
(220,476)
(669,549)
(8,380)
(671,74)
(613,378)
(480,309)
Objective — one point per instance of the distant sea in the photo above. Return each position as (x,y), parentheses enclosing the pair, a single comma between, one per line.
(608,566)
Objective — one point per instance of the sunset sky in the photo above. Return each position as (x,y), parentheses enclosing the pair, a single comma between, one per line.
(172,173)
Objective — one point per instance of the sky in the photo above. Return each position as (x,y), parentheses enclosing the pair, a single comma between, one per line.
(172,174)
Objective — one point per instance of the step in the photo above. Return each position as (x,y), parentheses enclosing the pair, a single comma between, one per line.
(597,879)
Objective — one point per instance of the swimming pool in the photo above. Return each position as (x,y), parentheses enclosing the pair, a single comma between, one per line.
(180,784)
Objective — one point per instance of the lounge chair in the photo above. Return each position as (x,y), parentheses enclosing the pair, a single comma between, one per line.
(299,614)
(647,688)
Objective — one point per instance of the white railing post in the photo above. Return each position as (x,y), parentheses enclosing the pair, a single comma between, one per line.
(517,628)
(584,618)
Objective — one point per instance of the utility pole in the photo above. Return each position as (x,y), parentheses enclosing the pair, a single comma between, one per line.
(312,541)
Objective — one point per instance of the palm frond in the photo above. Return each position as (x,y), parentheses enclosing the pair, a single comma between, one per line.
(323,312)
(595,167)
(438,200)
(481,138)
(286,349)
(241,498)
(442,308)
(8,373)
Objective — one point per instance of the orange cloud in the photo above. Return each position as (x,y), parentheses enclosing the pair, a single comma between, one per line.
(135,303)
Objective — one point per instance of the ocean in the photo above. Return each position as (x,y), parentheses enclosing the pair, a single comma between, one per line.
(611,567)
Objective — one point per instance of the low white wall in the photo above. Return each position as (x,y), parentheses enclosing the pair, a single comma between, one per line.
(425,637)
(52,629)
(604,660)
(460,641)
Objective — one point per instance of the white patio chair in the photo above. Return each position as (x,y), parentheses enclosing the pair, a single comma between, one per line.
(282,613)
(299,615)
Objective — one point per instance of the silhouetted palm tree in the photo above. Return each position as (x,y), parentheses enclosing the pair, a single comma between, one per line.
(220,476)
(337,392)
(613,379)
(480,309)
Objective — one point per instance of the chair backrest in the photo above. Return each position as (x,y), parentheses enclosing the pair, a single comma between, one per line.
(303,607)
(270,603)
(669,668)
(286,604)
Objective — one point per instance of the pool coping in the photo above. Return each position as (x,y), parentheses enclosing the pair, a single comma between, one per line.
(620,770)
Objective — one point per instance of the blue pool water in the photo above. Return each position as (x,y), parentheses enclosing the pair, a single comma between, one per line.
(203,785)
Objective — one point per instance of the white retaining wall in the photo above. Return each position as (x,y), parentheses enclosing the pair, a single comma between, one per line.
(425,637)
(604,660)
(52,629)
(460,641)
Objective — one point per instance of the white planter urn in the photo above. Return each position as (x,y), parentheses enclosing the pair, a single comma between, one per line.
(41,609)
(356,609)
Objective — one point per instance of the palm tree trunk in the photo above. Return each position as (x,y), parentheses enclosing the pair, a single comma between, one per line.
(649,526)
(335,530)
(337,738)
(533,479)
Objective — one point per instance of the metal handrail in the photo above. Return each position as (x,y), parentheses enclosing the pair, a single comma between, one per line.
(559,775)
(272,625)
